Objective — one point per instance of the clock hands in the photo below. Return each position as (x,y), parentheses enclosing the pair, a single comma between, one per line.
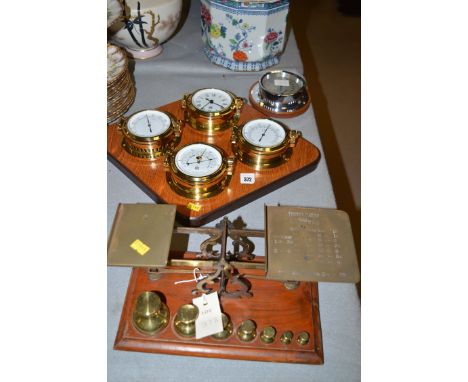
(210,101)
(203,107)
(149,124)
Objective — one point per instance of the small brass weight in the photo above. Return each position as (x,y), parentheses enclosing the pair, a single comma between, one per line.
(303,338)
(247,331)
(287,337)
(184,321)
(151,315)
(227,328)
(268,334)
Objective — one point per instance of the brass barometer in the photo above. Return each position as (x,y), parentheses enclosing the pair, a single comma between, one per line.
(198,170)
(148,134)
(211,110)
(263,143)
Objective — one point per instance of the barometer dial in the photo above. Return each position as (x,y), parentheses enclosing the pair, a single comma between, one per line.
(198,160)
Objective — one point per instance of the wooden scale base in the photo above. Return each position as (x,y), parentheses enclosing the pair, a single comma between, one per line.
(151,177)
(271,305)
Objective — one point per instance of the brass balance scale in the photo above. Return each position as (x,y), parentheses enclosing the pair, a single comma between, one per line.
(269,304)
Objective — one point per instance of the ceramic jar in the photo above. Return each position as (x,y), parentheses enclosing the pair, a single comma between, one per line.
(147,24)
(244,35)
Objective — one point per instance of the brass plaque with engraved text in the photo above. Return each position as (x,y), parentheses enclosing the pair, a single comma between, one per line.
(310,244)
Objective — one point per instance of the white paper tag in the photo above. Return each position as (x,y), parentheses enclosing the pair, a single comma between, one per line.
(209,319)
(247,178)
(282,82)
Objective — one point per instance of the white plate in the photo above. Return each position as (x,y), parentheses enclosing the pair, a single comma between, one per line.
(114,11)
(116,62)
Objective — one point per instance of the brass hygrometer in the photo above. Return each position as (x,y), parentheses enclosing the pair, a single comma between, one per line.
(263,143)
(149,133)
(198,170)
(211,110)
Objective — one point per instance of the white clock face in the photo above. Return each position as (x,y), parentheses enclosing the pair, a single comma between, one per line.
(211,100)
(263,133)
(198,160)
(148,123)
(282,83)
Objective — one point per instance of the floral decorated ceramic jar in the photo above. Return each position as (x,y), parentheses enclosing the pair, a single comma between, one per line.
(146,25)
(244,35)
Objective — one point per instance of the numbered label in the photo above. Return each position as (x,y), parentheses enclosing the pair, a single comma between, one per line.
(209,319)
(140,247)
(194,207)
(247,178)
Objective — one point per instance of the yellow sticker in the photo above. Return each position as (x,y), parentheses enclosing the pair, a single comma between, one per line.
(194,207)
(140,247)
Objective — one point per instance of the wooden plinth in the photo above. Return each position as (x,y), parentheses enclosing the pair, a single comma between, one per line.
(271,305)
(151,178)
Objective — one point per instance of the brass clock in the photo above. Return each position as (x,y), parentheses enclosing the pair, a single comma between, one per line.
(211,110)
(198,170)
(148,134)
(263,143)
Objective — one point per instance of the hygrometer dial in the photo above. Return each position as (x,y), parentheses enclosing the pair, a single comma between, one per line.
(263,143)
(264,133)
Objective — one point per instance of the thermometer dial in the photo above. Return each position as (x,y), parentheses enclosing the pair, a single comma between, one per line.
(263,143)
(147,134)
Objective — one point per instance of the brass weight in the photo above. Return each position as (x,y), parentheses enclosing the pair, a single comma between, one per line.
(268,334)
(287,337)
(303,338)
(184,321)
(151,315)
(227,328)
(247,331)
